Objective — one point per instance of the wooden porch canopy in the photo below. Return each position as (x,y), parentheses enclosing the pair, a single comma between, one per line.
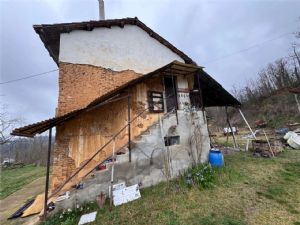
(213,95)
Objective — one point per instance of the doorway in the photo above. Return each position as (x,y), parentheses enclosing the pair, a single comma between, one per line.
(170,93)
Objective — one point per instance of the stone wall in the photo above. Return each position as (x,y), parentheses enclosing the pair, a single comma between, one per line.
(81,84)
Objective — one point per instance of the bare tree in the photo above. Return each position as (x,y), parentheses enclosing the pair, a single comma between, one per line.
(7,124)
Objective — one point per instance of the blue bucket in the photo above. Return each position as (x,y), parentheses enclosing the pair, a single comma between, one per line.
(216,158)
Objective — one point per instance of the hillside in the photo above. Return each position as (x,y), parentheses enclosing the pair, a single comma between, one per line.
(277,110)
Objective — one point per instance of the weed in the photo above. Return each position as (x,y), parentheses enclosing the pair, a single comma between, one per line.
(202,175)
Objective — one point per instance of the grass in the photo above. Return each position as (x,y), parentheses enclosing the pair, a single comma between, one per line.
(280,189)
(223,141)
(14,179)
(246,191)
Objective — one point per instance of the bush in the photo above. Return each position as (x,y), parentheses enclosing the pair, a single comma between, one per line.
(202,176)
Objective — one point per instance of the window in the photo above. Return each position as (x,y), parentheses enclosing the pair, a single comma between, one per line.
(172,140)
(195,99)
(155,101)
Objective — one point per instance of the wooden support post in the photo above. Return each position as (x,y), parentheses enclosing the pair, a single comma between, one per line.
(230,127)
(201,106)
(47,174)
(226,139)
(247,145)
(176,100)
(129,127)
(253,134)
(268,143)
(211,139)
(112,176)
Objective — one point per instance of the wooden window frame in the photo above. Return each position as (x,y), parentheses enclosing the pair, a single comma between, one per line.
(156,95)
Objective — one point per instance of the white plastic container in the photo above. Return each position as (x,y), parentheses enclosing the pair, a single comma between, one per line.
(288,135)
(294,141)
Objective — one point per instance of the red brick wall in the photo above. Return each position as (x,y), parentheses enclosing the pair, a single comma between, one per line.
(79,138)
(81,84)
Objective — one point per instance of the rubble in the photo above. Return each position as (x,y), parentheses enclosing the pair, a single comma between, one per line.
(262,148)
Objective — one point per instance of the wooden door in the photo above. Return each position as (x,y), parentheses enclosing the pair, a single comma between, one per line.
(170,93)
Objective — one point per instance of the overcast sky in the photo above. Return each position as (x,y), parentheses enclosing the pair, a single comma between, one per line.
(208,31)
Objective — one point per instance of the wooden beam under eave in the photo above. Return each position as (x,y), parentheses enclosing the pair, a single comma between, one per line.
(21,134)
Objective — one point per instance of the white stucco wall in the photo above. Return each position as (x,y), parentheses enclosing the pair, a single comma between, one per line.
(115,48)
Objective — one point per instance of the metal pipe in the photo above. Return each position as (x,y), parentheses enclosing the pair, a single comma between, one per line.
(101,10)
(112,176)
(47,174)
(129,127)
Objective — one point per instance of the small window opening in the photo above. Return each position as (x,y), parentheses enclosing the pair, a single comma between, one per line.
(155,101)
(172,140)
(120,153)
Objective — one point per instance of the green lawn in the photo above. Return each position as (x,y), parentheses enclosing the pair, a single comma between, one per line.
(12,180)
(247,191)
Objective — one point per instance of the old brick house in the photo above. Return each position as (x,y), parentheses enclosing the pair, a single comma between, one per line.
(124,87)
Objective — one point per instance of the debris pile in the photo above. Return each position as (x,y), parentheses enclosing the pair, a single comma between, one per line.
(261,124)
(264,149)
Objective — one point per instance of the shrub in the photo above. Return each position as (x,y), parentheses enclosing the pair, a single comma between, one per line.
(202,176)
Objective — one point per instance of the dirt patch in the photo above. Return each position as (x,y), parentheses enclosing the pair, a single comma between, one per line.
(14,201)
